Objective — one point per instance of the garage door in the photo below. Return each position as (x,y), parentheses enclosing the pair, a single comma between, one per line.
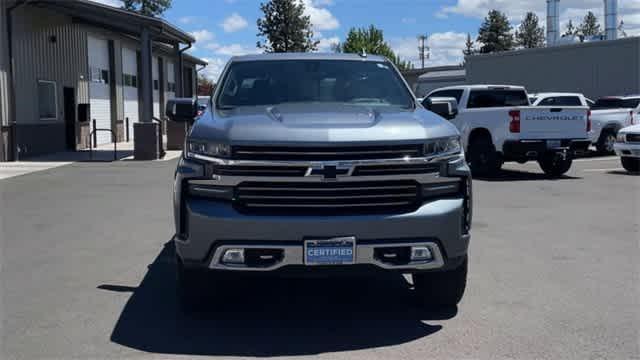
(130,88)
(156,88)
(171,81)
(99,92)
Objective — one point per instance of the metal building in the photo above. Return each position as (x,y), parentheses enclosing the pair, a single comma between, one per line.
(79,63)
(596,69)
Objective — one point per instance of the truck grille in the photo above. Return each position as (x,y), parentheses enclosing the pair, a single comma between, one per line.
(396,169)
(326,153)
(327,197)
(633,138)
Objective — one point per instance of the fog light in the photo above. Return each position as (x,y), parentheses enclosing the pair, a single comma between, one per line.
(421,253)
(233,256)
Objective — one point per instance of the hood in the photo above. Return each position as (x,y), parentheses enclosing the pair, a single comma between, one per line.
(319,124)
(631,129)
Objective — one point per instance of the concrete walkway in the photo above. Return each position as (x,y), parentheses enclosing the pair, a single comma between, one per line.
(103,153)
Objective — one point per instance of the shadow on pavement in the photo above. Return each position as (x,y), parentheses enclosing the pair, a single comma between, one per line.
(622,172)
(269,316)
(100,155)
(517,175)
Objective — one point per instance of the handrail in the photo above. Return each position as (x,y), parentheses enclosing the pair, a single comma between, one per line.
(115,147)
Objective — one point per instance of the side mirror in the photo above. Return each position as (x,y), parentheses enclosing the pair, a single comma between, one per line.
(443,106)
(181,109)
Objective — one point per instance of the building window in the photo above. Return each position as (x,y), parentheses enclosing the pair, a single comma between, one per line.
(99,75)
(156,85)
(171,87)
(130,80)
(47,100)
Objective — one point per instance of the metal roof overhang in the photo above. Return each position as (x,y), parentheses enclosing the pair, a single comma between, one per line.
(91,13)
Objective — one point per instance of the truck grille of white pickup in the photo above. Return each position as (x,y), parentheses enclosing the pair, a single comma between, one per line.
(327,197)
(633,138)
(290,153)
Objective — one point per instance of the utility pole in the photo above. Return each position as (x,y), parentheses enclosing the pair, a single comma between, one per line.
(423,50)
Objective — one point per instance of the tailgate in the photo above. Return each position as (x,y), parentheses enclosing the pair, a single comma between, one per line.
(545,122)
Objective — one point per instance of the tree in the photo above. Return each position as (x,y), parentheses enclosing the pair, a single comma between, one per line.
(469,46)
(570,30)
(205,86)
(495,33)
(530,34)
(589,26)
(147,7)
(371,41)
(285,27)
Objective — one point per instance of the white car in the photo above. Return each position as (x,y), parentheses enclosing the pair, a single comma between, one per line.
(560,99)
(608,116)
(627,146)
(497,124)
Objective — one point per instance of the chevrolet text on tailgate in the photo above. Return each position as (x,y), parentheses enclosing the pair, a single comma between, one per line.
(304,163)
(497,125)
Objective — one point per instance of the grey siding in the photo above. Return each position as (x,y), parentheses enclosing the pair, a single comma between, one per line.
(595,69)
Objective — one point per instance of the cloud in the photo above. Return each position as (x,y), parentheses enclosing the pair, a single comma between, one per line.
(574,10)
(446,48)
(188,20)
(114,3)
(214,69)
(231,49)
(327,44)
(321,18)
(234,23)
(202,36)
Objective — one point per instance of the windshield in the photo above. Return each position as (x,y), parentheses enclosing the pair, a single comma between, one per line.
(255,83)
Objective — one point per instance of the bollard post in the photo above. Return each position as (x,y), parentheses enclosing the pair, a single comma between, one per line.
(127,125)
(95,134)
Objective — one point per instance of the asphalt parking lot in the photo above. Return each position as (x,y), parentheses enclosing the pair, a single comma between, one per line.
(87,272)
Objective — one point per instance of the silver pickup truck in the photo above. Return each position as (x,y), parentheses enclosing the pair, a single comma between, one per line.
(312,164)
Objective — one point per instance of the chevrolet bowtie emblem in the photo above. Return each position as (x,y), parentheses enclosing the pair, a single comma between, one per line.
(328,172)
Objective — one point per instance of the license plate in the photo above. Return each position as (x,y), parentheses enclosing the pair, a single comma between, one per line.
(336,251)
(552,144)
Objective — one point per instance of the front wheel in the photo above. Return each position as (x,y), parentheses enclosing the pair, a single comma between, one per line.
(483,158)
(442,289)
(555,165)
(630,164)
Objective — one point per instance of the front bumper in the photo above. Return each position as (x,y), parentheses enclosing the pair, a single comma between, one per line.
(533,149)
(206,227)
(625,149)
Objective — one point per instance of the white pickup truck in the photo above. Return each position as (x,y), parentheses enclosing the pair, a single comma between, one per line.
(608,116)
(497,124)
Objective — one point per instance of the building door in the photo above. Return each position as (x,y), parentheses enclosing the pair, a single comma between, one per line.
(99,90)
(69,94)
(156,87)
(130,88)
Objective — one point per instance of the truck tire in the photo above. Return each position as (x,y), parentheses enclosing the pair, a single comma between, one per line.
(554,166)
(483,158)
(190,285)
(630,164)
(441,289)
(606,141)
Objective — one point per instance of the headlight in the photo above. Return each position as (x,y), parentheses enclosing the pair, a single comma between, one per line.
(210,149)
(442,146)
(621,137)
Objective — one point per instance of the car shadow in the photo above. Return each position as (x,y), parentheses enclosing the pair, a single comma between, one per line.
(518,175)
(622,172)
(273,316)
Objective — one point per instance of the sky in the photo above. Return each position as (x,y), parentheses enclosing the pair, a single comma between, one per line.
(224,28)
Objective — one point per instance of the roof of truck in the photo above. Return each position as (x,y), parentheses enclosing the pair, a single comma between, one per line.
(308,56)
(481,87)
(551,94)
